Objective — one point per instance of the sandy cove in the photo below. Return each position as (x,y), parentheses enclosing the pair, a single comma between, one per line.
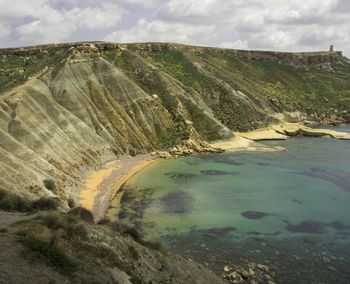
(102,185)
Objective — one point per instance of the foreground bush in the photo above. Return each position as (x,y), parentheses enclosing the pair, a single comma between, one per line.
(45,203)
(13,202)
(50,185)
(47,252)
(124,229)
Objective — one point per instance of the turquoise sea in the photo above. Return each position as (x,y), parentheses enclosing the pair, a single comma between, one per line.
(244,207)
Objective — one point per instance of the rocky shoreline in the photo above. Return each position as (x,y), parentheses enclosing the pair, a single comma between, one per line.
(285,130)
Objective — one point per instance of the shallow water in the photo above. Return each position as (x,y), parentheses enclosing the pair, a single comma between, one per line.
(297,202)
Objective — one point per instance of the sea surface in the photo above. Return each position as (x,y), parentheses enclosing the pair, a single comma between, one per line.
(289,210)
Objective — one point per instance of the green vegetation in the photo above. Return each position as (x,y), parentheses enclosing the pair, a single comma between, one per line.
(45,203)
(3,230)
(49,240)
(204,125)
(13,202)
(65,243)
(296,88)
(71,203)
(46,252)
(82,213)
(125,229)
(19,66)
(152,83)
(179,64)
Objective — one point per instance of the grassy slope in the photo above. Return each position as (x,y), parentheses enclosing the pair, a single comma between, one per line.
(17,67)
(297,88)
(273,85)
(270,84)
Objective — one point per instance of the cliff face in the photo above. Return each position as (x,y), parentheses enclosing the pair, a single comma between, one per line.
(66,108)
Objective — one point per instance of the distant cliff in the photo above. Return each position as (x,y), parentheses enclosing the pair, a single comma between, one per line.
(66,108)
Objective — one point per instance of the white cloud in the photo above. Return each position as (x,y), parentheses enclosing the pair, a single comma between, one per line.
(238,44)
(162,31)
(59,25)
(4,30)
(255,24)
(37,21)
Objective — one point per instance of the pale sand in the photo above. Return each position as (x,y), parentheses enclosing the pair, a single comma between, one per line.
(101,185)
(240,143)
(264,134)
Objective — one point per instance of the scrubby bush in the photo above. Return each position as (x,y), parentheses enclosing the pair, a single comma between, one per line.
(53,220)
(82,213)
(71,203)
(45,203)
(124,229)
(132,151)
(134,253)
(152,245)
(104,221)
(77,231)
(48,253)
(118,226)
(132,232)
(50,184)
(3,230)
(71,225)
(12,202)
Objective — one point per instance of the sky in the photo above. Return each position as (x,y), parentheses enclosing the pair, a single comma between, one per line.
(283,25)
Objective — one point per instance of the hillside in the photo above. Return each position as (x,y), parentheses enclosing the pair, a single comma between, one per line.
(67,108)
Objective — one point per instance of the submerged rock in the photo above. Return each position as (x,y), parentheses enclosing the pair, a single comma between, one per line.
(310,226)
(255,215)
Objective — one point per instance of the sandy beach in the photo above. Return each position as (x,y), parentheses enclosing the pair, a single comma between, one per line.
(102,185)
(241,143)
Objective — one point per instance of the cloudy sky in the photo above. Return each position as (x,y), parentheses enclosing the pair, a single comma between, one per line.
(288,25)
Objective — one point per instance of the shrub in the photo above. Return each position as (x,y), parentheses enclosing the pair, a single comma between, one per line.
(134,253)
(53,220)
(134,278)
(132,151)
(12,202)
(82,213)
(152,245)
(46,252)
(131,231)
(104,252)
(50,184)
(69,224)
(125,230)
(77,231)
(2,194)
(3,230)
(71,203)
(45,203)
(118,226)
(104,221)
